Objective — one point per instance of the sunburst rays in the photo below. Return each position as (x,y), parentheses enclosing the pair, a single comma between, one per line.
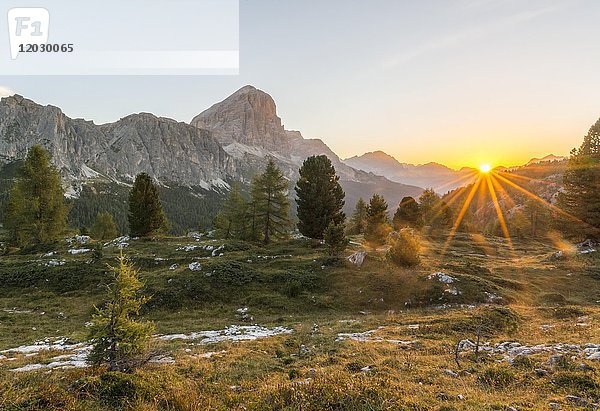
(493,184)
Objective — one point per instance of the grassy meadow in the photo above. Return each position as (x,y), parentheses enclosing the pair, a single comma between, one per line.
(375,337)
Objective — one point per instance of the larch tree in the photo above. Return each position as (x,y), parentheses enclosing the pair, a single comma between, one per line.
(359,218)
(119,339)
(232,222)
(270,205)
(146,216)
(36,211)
(104,227)
(320,197)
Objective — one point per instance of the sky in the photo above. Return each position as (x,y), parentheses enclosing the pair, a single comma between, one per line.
(458,82)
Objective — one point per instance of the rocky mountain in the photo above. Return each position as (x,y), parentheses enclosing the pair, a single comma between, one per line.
(247,126)
(430,175)
(228,142)
(170,151)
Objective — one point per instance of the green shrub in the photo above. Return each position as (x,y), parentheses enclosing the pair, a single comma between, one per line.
(523,361)
(489,321)
(497,377)
(405,249)
(293,288)
(115,389)
(98,251)
(583,384)
(294,373)
(552,299)
(59,279)
(563,312)
(232,273)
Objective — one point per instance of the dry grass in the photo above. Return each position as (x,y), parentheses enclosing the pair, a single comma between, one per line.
(310,370)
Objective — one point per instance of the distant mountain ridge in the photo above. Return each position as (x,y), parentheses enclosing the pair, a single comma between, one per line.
(548,158)
(430,175)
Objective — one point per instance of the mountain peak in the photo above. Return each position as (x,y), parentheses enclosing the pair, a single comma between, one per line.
(376,155)
(248,88)
(248,116)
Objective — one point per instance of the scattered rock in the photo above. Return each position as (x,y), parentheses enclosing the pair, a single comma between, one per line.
(453,291)
(163,359)
(79,239)
(573,399)
(119,242)
(79,251)
(55,263)
(450,373)
(594,356)
(216,253)
(242,314)
(195,266)
(492,298)
(187,248)
(442,277)
(230,333)
(358,258)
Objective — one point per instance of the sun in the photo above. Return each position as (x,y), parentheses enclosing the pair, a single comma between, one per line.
(485,168)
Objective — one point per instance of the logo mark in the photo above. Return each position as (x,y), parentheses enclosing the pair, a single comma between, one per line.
(27,25)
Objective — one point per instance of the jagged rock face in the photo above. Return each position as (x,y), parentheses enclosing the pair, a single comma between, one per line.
(229,141)
(24,123)
(249,116)
(247,125)
(164,148)
(168,150)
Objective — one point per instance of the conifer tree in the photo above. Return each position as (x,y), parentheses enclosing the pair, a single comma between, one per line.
(445,217)
(377,222)
(36,210)
(581,196)
(360,216)
(146,216)
(429,201)
(436,212)
(118,338)
(104,227)
(320,197)
(335,239)
(232,222)
(270,204)
(408,214)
